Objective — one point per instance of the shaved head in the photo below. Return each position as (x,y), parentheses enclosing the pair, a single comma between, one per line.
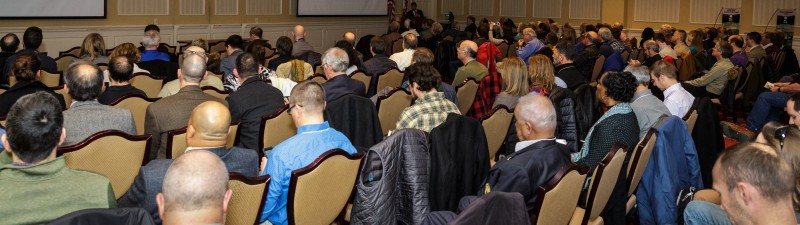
(197,180)
(593,37)
(469,47)
(209,122)
(299,32)
(350,37)
(193,68)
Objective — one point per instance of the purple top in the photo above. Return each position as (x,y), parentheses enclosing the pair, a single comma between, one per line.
(739,59)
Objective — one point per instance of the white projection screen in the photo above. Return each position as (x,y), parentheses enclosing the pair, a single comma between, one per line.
(342,7)
(52,9)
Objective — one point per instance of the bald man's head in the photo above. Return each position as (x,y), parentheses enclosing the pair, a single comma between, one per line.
(469,49)
(194,50)
(299,32)
(193,68)
(593,37)
(350,37)
(410,41)
(197,180)
(83,81)
(536,117)
(208,125)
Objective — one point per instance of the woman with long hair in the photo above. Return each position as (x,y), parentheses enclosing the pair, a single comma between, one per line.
(515,82)
(541,74)
(93,49)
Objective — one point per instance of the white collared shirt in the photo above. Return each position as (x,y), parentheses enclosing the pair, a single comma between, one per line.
(678,100)
(403,59)
(524,144)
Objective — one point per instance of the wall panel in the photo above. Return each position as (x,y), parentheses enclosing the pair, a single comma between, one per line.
(585,9)
(667,11)
(707,11)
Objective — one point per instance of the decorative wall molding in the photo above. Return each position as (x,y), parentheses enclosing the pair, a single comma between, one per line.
(706,11)
(547,8)
(142,7)
(663,11)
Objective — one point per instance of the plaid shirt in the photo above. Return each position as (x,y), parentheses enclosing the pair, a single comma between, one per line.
(427,112)
(488,88)
(618,45)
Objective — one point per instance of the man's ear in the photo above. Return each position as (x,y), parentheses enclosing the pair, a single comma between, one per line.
(160,204)
(190,131)
(226,200)
(63,136)
(746,192)
(6,146)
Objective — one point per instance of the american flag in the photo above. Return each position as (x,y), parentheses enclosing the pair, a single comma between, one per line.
(390,8)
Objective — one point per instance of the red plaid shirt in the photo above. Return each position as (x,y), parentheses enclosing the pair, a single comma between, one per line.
(490,85)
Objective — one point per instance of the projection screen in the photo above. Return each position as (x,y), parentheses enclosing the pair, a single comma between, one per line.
(342,7)
(52,9)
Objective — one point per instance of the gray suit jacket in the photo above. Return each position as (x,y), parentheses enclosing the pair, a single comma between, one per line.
(300,47)
(89,117)
(172,113)
(150,180)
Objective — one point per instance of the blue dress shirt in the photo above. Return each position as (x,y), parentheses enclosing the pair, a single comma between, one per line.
(529,49)
(148,55)
(295,153)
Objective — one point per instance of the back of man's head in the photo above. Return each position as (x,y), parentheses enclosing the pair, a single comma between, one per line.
(651,45)
(662,68)
(394,26)
(350,37)
(10,43)
(336,58)
(606,34)
(235,41)
(256,31)
(34,127)
(195,182)
(641,73)
(593,37)
(736,41)
(422,55)
(537,112)
(378,45)
(470,48)
(310,96)
(209,122)
(193,68)
(755,36)
(32,38)
(659,38)
(284,45)
(120,68)
(424,75)
(247,65)
(681,35)
(567,49)
(410,41)
(757,165)
(84,81)
(150,27)
(299,32)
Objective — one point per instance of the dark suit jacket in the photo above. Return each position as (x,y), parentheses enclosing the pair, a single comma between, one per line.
(254,99)
(47,63)
(274,63)
(586,59)
(113,93)
(377,64)
(161,68)
(172,113)
(150,180)
(341,85)
(527,169)
(23,88)
(606,49)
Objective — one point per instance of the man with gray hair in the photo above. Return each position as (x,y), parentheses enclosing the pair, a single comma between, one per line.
(605,45)
(646,106)
(334,64)
(403,59)
(528,45)
(150,41)
(195,190)
(172,112)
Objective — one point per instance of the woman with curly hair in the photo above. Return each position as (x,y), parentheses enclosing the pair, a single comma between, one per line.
(615,90)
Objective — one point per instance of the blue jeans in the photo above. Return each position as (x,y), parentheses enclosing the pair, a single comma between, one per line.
(767,108)
(705,213)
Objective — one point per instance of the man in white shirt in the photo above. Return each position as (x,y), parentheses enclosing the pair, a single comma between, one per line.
(403,59)
(677,99)
(665,48)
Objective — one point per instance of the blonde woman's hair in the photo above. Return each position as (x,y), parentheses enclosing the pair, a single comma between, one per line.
(129,50)
(541,72)
(515,77)
(93,46)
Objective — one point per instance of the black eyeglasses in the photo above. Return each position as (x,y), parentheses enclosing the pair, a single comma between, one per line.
(780,134)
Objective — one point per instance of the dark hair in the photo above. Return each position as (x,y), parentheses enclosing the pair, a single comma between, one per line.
(259,50)
(247,65)
(567,48)
(755,36)
(483,30)
(647,34)
(414,3)
(737,41)
(471,18)
(378,45)
(615,32)
(619,85)
(712,33)
(352,55)
(235,41)
(84,81)
(422,55)
(795,98)
(589,27)
(425,75)
(659,37)
(32,38)
(120,68)
(725,49)
(150,27)
(394,26)
(25,67)
(777,38)
(256,31)
(284,45)
(34,125)
(10,46)
(551,38)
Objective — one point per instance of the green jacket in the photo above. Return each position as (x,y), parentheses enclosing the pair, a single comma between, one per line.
(716,79)
(40,193)
(472,69)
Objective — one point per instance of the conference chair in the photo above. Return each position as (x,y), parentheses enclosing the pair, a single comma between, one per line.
(247,201)
(318,193)
(176,143)
(495,126)
(113,154)
(72,51)
(102,66)
(216,46)
(319,70)
(503,46)
(512,51)
(397,45)
(691,118)
(217,74)
(149,84)
(216,93)
(137,104)
(63,91)
(49,78)
(602,184)
(638,163)
(319,78)
(598,68)
(361,76)
(276,128)
(63,61)
(557,199)
(465,92)
(3,121)
(390,106)
(171,49)
(270,56)
(389,78)
(625,55)
(3,90)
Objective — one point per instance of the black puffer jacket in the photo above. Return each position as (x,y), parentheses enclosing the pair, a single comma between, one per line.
(564,102)
(393,184)
(587,110)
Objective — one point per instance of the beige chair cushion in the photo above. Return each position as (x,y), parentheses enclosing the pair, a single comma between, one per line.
(496,127)
(577,216)
(691,119)
(361,76)
(639,159)
(49,79)
(276,128)
(319,78)
(148,84)
(559,203)
(392,78)
(244,206)
(465,92)
(216,93)
(598,67)
(138,107)
(63,61)
(316,197)
(603,186)
(61,90)
(631,202)
(391,106)
(176,143)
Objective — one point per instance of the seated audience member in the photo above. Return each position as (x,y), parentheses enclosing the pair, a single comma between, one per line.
(647,107)
(739,56)
(25,69)
(205,201)
(350,37)
(153,28)
(334,64)
(403,59)
(767,108)
(93,49)
(618,125)
(528,45)
(756,183)
(128,50)
(647,34)
(651,50)
(542,77)
(86,116)
(617,41)
(588,56)
(8,47)
(300,45)
(259,50)
(563,55)
(467,51)
(677,99)
(605,46)
(430,108)
(314,137)
(379,61)
(679,38)
(713,83)
(254,99)
(471,27)
(207,130)
(283,47)
(233,47)
(33,178)
(392,35)
(31,40)
(172,112)
(515,82)
(664,48)
(755,52)
(120,69)
(172,87)
(771,42)
(353,63)
(425,56)
(150,41)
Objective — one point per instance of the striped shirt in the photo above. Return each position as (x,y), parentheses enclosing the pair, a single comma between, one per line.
(428,112)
